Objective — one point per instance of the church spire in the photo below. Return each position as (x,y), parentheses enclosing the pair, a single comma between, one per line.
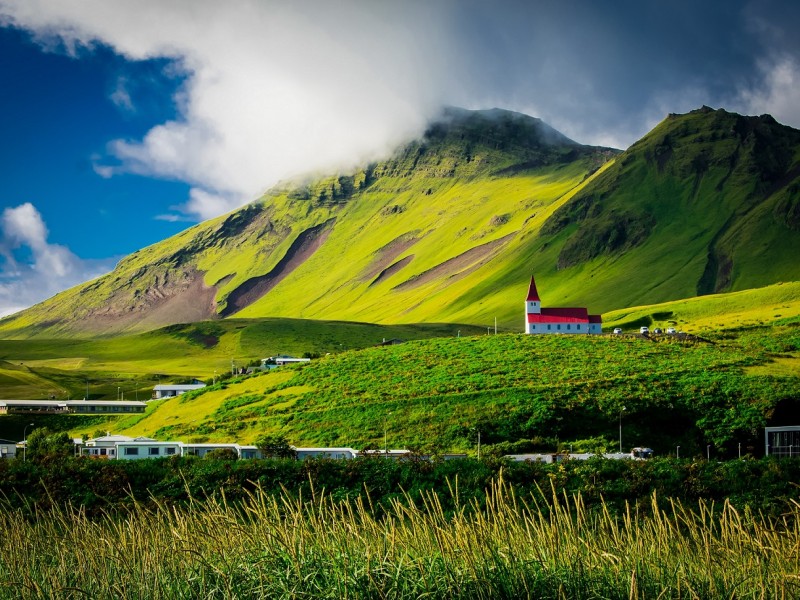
(533,295)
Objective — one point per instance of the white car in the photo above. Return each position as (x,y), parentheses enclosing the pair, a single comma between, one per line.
(671,330)
(644,330)
(617,330)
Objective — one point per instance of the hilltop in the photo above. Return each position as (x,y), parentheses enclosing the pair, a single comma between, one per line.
(450,228)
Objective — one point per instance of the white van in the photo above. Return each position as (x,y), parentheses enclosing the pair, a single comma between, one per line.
(644,330)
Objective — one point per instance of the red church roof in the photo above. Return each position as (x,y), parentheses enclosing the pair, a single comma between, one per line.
(560,315)
(532,293)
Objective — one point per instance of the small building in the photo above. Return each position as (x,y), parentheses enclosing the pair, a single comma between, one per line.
(392,454)
(8,449)
(279,361)
(106,446)
(136,449)
(33,407)
(76,407)
(332,453)
(782,441)
(171,390)
(540,320)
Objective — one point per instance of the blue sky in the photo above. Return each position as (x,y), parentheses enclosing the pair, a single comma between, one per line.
(125,121)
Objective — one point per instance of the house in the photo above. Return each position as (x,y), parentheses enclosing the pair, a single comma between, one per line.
(782,441)
(280,360)
(106,446)
(332,453)
(557,320)
(82,407)
(171,390)
(8,449)
(138,448)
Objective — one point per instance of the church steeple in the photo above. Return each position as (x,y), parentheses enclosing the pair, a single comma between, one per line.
(533,305)
(532,293)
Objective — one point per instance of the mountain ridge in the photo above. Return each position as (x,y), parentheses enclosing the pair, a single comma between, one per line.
(451,226)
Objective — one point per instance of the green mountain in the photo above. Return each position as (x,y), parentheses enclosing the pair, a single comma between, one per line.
(451,227)
(707,202)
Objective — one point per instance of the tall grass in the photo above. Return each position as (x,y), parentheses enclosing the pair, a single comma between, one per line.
(543,546)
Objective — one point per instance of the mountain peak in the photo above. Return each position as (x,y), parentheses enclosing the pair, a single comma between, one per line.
(497,124)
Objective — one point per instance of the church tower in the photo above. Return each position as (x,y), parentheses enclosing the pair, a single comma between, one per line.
(533,305)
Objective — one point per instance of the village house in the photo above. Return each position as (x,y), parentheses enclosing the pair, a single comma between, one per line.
(540,320)
(172,389)
(8,449)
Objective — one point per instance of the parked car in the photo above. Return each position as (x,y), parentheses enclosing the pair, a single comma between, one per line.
(617,330)
(671,330)
(657,331)
(644,330)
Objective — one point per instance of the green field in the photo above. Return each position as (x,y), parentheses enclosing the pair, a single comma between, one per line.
(739,372)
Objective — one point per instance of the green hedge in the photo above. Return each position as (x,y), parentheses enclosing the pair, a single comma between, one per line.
(764,485)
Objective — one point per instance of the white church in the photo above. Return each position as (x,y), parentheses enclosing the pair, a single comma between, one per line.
(557,320)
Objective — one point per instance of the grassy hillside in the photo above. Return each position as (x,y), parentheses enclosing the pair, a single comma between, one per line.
(402,241)
(706,202)
(38,368)
(522,391)
(747,308)
(740,373)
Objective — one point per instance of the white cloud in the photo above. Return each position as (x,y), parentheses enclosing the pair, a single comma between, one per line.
(121,96)
(776,92)
(50,267)
(273,89)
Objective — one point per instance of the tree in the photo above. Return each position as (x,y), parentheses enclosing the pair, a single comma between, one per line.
(222,454)
(275,446)
(43,444)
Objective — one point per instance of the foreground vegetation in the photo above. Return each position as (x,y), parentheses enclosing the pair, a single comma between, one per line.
(763,485)
(541,545)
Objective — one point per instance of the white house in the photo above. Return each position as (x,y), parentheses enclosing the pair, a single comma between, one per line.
(171,390)
(557,320)
(84,407)
(279,361)
(106,446)
(782,441)
(8,449)
(135,449)
(334,453)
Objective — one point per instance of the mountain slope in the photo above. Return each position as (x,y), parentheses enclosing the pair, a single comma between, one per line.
(384,244)
(451,227)
(705,203)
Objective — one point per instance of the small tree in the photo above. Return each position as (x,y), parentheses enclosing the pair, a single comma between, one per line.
(275,446)
(222,454)
(43,444)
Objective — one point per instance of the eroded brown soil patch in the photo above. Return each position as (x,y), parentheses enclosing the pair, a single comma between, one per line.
(306,244)
(458,266)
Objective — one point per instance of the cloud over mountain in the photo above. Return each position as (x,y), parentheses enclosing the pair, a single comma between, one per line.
(273,90)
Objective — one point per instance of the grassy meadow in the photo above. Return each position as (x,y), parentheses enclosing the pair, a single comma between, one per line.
(531,546)
(521,393)
(721,387)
